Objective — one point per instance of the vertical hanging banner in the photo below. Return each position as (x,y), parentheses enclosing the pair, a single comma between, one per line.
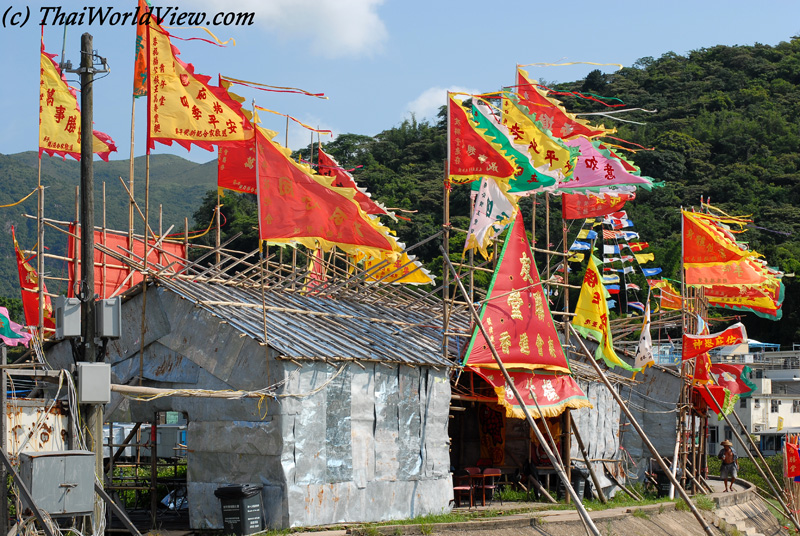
(29,284)
(591,317)
(60,116)
(490,217)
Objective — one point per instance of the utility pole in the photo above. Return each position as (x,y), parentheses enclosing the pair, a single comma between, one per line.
(94,412)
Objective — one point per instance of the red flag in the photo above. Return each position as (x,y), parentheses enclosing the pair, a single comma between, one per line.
(733,378)
(579,206)
(553,392)
(792,460)
(518,320)
(330,167)
(551,114)
(29,283)
(471,156)
(706,242)
(298,206)
(113,276)
(694,345)
(236,167)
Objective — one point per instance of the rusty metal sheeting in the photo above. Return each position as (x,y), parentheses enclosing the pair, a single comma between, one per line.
(36,425)
(302,327)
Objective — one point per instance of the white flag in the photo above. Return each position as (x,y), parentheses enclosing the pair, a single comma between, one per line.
(492,213)
(644,351)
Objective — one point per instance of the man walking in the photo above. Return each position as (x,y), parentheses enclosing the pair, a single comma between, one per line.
(730,464)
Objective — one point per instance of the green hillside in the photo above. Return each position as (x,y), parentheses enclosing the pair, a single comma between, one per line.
(727,128)
(175,183)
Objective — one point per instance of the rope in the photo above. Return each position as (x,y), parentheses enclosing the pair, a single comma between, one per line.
(21,200)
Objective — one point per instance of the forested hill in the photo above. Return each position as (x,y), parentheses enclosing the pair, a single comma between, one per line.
(176,183)
(727,128)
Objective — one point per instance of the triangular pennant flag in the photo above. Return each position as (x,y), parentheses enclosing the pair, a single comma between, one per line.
(733,378)
(12,333)
(29,284)
(328,166)
(518,320)
(298,206)
(579,206)
(470,155)
(551,114)
(596,170)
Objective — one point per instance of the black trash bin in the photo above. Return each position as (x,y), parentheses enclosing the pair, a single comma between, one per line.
(578,478)
(664,483)
(241,508)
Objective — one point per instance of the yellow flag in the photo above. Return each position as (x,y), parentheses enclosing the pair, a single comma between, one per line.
(182,106)
(642,258)
(545,151)
(60,116)
(780,423)
(591,317)
(404,270)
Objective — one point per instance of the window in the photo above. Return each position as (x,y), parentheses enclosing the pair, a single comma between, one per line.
(773,406)
(795,406)
(759,373)
(743,403)
(756,403)
(728,433)
(713,434)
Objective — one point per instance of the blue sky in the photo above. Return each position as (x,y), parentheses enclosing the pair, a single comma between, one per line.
(378,61)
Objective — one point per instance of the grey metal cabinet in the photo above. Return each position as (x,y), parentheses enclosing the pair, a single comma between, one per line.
(60,482)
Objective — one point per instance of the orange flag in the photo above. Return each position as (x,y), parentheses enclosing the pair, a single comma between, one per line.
(60,116)
(296,205)
(182,105)
(140,54)
(29,283)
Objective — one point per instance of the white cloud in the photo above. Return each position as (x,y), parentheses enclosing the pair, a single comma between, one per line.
(332,28)
(427,105)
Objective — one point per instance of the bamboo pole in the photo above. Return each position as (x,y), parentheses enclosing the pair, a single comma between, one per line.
(510,383)
(640,431)
(786,510)
(595,480)
(755,447)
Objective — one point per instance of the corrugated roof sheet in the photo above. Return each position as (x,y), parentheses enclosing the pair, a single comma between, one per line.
(302,327)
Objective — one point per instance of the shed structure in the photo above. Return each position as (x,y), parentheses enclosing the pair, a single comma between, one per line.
(341,413)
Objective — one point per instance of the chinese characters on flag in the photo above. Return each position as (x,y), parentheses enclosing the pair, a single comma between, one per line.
(580,206)
(182,106)
(694,345)
(518,321)
(29,283)
(471,156)
(60,116)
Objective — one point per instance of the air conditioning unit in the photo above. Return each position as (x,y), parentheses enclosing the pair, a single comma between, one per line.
(757,428)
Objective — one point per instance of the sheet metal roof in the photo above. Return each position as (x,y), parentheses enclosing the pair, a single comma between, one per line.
(303,327)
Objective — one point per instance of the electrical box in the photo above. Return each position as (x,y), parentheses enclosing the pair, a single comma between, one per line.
(68,317)
(108,318)
(94,383)
(62,482)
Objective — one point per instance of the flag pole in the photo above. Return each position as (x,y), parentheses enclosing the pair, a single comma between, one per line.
(262,244)
(591,527)
(40,215)
(640,431)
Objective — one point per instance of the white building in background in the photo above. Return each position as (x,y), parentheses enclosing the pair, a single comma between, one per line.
(774,408)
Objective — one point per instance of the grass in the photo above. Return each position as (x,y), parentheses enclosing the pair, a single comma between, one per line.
(641,514)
